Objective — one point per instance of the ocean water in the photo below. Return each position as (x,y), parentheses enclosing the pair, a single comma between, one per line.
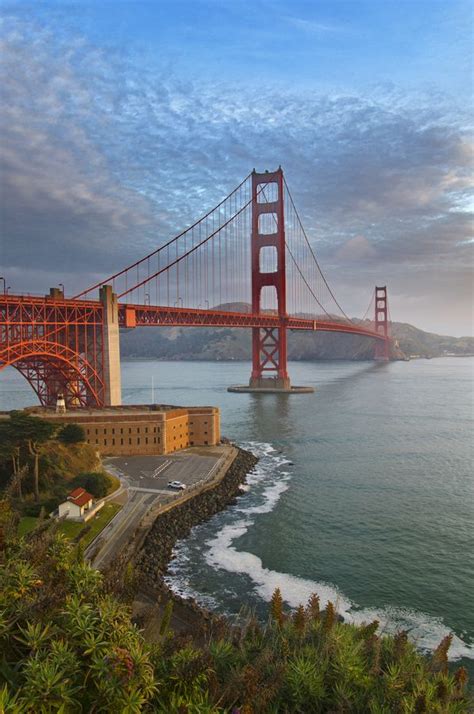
(364,492)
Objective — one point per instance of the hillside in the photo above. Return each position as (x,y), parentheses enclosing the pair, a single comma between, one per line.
(234,344)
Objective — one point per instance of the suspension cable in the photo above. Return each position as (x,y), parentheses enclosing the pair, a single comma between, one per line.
(312,251)
(162,247)
(294,259)
(179,258)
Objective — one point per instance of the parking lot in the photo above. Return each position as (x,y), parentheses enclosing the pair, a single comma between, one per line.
(151,474)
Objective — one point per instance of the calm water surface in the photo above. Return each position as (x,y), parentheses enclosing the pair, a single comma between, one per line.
(364,490)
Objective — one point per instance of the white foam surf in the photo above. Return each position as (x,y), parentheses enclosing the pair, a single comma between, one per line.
(272,481)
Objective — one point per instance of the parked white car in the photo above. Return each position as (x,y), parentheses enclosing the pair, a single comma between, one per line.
(177,485)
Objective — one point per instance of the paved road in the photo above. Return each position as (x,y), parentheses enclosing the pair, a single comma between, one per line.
(117,533)
(146,480)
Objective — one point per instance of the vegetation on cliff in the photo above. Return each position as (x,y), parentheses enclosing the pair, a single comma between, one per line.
(41,462)
(69,645)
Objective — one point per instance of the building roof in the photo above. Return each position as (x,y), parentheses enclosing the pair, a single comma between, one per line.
(80,497)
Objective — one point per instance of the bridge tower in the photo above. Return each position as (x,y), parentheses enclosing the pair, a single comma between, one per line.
(269,345)
(382,349)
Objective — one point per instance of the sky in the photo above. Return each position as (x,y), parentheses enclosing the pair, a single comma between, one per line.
(123,122)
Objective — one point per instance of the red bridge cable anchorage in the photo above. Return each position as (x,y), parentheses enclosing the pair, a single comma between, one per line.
(185,255)
(312,251)
(162,247)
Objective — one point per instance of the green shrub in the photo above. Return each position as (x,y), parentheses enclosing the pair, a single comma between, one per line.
(68,645)
(97,483)
(71,434)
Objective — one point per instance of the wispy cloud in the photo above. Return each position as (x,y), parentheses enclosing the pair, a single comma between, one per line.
(314,27)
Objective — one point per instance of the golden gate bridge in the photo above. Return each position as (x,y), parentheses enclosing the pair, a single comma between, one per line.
(247,263)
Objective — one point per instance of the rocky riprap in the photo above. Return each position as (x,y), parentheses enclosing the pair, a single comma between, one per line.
(175,524)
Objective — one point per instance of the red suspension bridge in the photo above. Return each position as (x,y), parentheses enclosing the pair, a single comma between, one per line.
(250,256)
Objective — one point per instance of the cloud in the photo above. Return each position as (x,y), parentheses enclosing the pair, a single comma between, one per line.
(312,26)
(104,159)
(60,201)
(356,249)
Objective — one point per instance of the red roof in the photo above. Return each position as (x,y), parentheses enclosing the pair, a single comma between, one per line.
(80,497)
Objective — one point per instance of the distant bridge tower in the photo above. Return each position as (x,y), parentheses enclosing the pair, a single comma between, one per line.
(382,348)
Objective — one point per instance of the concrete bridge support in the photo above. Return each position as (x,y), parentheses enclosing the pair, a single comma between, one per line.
(111,371)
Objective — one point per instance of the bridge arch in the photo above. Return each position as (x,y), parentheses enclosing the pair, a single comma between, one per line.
(51,368)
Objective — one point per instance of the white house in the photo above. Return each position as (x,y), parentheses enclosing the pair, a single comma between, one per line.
(79,506)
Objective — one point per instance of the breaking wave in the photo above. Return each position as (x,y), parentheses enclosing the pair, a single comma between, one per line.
(267,482)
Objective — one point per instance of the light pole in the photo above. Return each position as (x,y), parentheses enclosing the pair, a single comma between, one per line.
(177,302)
(147,298)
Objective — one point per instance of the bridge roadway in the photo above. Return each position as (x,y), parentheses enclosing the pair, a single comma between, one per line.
(144,482)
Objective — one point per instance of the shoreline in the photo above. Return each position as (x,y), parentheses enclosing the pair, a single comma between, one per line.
(152,561)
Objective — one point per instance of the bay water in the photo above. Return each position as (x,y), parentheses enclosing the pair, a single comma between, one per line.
(364,492)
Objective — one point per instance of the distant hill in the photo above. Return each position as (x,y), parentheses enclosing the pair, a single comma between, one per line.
(178,343)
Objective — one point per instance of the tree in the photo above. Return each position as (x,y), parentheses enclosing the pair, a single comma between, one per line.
(10,452)
(29,432)
(71,434)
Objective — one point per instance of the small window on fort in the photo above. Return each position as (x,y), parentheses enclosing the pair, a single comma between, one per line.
(146,430)
(154,439)
(138,430)
(113,431)
(121,442)
(138,440)
(121,431)
(146,440)
(96,431)
(97,441)
(105,431)
(158,439)
(206,442)
(129,441)
(130,430)
(105,442)
(113,442)
(192,443)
